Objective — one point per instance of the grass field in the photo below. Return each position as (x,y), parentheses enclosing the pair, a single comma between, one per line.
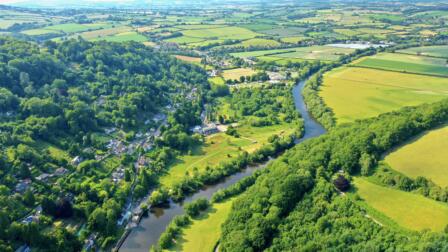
(73,27)
(222,147)
(123,37)
(408,210)
(91,35)
(38,32)
(426,157)
(405,63)
(235,74)
(434,51)
(188,58)
(209,223)
(228,32)
(258,42)
(325,53)
(376,91)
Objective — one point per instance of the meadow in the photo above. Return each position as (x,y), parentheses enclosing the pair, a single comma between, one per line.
(228,32)
(222,147)
(425,156)
(433,51)
(188,58)
(405,63)
(376,91)
(408,210)
(123,37)
(235,74)
(209,223)
(324,53)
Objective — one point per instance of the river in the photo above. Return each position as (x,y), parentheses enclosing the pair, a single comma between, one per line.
(147,233)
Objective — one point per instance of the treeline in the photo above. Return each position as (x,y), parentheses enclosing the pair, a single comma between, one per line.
(262,211)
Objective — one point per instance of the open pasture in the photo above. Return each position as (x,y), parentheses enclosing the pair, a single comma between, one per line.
(355,93)
(405,63)
(73,27)
(123,37)
(92,35)
(425,156)
(235,74)
(325,53)
(193,238)
(408,210)
(433,51)
(188,58)
(227,32)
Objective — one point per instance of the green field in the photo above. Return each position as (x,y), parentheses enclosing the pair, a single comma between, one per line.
(38,32)
(405,63)
(73,27)
(408,210)
(433,51)
(425,156)
(375,91)
(235,74)
(222,147)
(325,53)
(228,32)
(123,37)
(209,223)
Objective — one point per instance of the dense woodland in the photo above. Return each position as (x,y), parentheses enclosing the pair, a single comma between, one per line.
(66,95)
(291,206)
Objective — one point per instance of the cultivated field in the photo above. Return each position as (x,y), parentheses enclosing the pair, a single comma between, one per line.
(434,51)
(188,58)
(324,53)
(425,156)
(408,210)
(355,93)
(405,63)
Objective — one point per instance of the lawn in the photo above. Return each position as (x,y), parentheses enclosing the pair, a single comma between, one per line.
(375,91)
(425,156)
(209,223)
(405,63)
(411,211)
(434,51)
(235,74)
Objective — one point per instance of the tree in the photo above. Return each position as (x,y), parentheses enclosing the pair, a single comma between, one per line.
(28,198)
(341,183)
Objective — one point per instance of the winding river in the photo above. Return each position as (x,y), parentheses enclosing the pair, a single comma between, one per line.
(147,233)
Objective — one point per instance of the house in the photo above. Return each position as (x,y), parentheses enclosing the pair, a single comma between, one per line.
(23,185)
(77,160)
(210,129)
(23,248)
(118,175)
(60,171)
(43,177)
(196,129)
(110,130)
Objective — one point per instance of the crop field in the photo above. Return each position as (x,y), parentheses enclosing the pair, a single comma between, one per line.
(405,63)
(193,238)
(258,42)
(325,53)
(425,156)
(433,51)
(188,58)
(408,210)
(285,31)
(37,32)
(123,37)
(293,40)
(220,33)
(91,35)
(73,27)
(235,74)
(375,91)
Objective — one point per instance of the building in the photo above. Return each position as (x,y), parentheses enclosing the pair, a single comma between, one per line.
(60,171)
(23,185)
(210,129)
(77,160)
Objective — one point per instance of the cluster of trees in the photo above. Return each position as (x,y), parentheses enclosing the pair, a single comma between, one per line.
(261,76)
(265,106)
(264,217)
(65,95)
